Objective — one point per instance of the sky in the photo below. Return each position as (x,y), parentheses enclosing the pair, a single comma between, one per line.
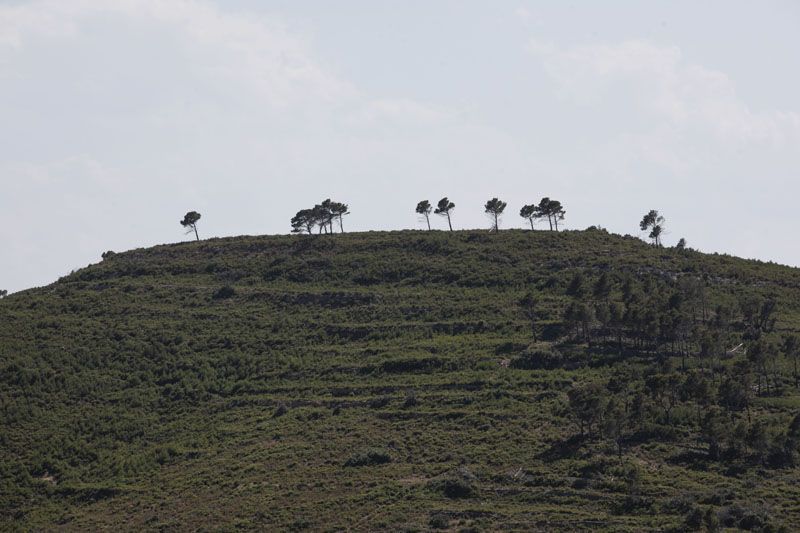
(119,116)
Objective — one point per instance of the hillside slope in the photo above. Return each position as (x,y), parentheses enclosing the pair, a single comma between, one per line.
(391,381)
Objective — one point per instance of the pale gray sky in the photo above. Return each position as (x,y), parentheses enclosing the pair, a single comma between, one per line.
(118,116)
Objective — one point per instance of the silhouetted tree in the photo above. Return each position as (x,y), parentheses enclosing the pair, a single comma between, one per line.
(655,223)
(3,293)
(338,210)
(190,221)
(681,246)
(551,209)
(424,208)
(304,221)
(494,208)
(529,213)
(443,208)
(324,216)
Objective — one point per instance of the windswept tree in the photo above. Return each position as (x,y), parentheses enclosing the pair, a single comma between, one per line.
(552,210)
(190,223)
(3,293)
(494,208)
(304,221)
(424,208)
(321,216)
(529,213)
(655,223)
(325,216)
(338,210)
(444,208)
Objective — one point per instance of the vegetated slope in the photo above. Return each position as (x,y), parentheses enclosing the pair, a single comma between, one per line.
(390,381)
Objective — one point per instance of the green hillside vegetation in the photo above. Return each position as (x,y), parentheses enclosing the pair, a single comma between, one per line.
(404,381)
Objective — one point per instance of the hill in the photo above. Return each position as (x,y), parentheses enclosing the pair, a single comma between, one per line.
(403,381)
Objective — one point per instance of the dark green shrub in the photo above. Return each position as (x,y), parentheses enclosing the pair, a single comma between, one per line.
(411,400)
(379,403)
(439,521)
(225,292)
(458,484)
(369,458)
(538,359)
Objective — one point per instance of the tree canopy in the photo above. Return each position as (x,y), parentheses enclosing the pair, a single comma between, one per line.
(529,213)
(552,210)
(424,208)
(321,216)
(494,208)
(190,222)
(443,208)
(655,223)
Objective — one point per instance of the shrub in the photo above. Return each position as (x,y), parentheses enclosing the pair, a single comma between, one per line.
(458,484)
(378,403)
(369,458)
(439,521)
(694,519)
(537,360)
(411,400)
(280,410)
(225,292)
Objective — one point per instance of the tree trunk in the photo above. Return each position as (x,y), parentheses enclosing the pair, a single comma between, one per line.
(531,221)
(550,221)
(428,220)
(450,224)
(196,236)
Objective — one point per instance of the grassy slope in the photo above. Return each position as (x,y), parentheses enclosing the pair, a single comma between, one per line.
(130,396)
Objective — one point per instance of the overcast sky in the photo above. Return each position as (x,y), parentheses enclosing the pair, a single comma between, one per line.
(119,116)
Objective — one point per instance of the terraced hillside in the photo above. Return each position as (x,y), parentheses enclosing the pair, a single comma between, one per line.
(391,381)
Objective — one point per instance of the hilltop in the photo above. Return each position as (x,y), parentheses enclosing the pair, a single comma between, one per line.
(403,381)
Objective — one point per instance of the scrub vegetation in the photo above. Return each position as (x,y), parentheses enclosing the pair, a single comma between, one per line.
(404,381)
